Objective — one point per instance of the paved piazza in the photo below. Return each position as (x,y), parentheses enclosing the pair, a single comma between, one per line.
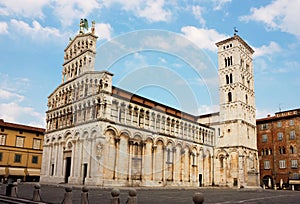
(54,194)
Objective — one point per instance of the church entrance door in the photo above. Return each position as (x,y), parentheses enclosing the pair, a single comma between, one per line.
(68,169)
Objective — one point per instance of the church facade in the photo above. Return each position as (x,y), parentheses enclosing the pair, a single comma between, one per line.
(99,134)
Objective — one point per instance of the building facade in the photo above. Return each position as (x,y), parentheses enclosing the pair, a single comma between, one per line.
(235,153)
(98,134)
(20,151)
(278,146)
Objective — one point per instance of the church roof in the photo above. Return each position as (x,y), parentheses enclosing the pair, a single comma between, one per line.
(235,37)
(145,102)
(15,126)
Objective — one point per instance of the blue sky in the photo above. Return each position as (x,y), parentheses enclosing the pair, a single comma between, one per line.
(33,35)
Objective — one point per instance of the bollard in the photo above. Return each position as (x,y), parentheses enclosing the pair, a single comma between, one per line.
(115,196)
(37,193)
(198,198)
(8,187)
(68,196)
(14,190)
(132,198)
(84,195)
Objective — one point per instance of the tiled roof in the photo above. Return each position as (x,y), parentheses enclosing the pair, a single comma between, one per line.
(8,125)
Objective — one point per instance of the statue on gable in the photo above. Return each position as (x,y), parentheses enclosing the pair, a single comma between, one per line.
(83,25)
(93,27)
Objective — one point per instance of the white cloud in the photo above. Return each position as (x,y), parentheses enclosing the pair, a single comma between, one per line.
(197,12)
(205,109)
(203,38)
(103,30)
(12,102)
(13,112)
(263,113)
(69,11)
(280,14)
(264,50)
(3,28)
(218,4)
(13,84)
(66,11)
(7,95)
(36,31)
(152,10)
(24,8)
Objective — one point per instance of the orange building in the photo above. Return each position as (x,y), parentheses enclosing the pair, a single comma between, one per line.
(278,144)
(20,151)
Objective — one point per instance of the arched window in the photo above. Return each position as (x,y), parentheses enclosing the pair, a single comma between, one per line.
(229,96)
(246,99)
(262,152)
(225,62)
(230,79)
(270,151)
(266,151)
(221,162)
(280,151)
(292,150)
(136,149)
(283,150)
(169,156)
(227,79)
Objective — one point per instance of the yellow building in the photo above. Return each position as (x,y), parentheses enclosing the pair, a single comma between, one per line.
(20,151)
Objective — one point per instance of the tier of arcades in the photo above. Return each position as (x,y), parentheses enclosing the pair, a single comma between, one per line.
(79,56)
(126,113)
(89,98)
(68,99)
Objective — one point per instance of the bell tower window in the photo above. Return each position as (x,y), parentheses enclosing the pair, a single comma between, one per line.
(229,97)
(228,61)
(227,79)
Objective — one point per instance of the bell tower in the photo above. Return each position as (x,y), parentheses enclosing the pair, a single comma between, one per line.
(237,99)
(236,147)
(80,52)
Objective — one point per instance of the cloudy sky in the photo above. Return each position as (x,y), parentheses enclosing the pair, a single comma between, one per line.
(33,35)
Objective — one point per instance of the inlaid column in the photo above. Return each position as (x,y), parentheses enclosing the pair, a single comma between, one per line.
(154,152)
(55,158)
(91,150)
(190,166)
(80,150)
(73,159)
(60,159)
(125,114)
(148,161)
(164,156)
(117,151)
(130,149)
(132,113)
(143,146)
(173,163)
(118,113)
(46,161)
(50,159)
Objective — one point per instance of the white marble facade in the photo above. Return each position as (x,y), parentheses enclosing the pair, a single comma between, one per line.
(98,134)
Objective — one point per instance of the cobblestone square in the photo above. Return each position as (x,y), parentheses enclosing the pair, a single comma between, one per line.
(54,194)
